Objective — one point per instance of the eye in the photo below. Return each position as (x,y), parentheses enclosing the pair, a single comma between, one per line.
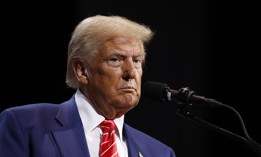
(114,61)
(138,62)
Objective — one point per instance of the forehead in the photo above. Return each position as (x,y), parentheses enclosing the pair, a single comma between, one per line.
(129,45)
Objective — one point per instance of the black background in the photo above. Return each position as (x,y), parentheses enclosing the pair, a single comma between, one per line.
(210,47)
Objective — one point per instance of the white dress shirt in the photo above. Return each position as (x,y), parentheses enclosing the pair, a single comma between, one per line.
(91,120)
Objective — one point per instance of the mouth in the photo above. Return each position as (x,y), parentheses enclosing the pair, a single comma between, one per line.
(128,89)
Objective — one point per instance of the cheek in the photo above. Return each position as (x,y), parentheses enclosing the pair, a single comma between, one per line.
(104,72)
(139,74)
(115,72)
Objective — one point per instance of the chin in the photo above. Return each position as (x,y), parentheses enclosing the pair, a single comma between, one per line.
(127,105)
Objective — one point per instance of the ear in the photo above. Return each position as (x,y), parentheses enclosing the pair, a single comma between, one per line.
(80,71)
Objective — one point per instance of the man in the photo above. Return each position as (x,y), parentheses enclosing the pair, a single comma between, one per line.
(105,59)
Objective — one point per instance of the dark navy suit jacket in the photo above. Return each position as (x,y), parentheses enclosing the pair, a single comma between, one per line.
(56,130)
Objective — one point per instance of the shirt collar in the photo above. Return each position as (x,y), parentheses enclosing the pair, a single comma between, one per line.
(90,118)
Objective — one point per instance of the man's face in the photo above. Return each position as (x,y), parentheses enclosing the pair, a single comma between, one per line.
(114,84)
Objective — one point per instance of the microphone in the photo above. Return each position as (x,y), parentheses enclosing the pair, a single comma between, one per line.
(162,92)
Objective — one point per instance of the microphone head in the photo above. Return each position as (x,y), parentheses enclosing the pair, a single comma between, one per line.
(156,91)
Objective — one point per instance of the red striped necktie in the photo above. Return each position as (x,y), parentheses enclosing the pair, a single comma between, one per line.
(108,147)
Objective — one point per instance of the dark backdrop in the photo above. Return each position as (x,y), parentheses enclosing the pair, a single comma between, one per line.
(210,47)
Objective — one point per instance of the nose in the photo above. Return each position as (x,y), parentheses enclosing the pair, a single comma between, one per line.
(129,71)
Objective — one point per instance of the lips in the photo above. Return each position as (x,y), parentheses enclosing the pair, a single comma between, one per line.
(128,89)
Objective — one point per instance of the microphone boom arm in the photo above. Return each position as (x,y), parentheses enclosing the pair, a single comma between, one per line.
(188,100)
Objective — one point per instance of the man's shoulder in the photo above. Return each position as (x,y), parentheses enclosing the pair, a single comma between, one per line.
(33,107)
(150,145)
(138,134)
(30,110)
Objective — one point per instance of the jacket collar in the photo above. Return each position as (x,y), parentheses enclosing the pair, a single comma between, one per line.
(70,138)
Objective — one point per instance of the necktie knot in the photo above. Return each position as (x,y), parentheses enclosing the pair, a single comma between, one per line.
(107,126)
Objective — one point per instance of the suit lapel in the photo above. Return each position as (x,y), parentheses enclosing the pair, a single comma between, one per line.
(70,138)
(134,149)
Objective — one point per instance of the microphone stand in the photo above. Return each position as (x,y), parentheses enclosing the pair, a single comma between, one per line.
(183,111)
